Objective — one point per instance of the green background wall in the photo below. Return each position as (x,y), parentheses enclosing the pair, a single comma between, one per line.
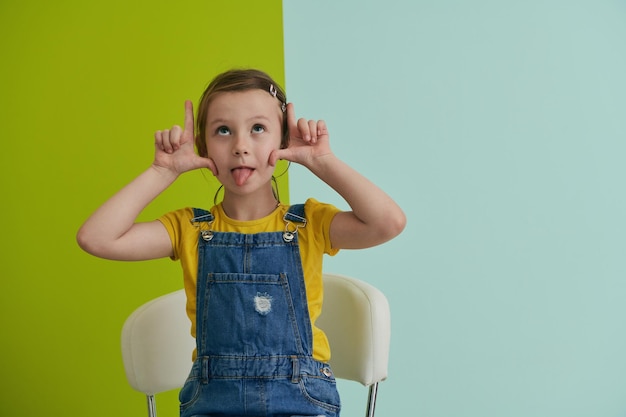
(83,87)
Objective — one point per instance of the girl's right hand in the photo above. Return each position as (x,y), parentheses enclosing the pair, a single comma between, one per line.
(174,148)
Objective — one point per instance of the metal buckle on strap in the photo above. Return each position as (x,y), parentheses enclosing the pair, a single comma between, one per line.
(292,223)
(207,220)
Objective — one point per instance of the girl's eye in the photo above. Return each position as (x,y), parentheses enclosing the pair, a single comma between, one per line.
(258,129)
(223,131)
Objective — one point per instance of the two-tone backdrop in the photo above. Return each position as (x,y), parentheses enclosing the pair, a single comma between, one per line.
(497,125)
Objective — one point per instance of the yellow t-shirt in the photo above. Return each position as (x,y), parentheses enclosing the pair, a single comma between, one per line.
(313,240)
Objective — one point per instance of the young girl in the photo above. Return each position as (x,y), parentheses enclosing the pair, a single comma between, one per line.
(252,266)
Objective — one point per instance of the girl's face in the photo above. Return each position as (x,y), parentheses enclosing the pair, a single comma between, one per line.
(242,130)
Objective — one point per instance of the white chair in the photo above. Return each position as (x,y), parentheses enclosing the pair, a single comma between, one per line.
(357,321)
(157,346)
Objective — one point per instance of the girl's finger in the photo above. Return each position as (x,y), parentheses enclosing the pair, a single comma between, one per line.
(321,128)
(313,130)
(278,154)
(303,129)
(162,138)
(189,123)
(158,139)
(174,137)
(210,164)
(291,120)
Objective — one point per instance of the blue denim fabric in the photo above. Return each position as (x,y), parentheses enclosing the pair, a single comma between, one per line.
(253,332)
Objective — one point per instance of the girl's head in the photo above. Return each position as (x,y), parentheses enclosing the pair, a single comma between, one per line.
(238,80)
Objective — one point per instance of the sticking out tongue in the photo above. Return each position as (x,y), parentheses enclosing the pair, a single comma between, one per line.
(241,175)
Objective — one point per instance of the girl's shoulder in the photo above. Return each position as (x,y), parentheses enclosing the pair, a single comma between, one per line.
(319,212)
(181,215)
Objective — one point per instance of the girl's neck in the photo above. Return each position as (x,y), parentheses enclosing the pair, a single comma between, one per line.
(250,206)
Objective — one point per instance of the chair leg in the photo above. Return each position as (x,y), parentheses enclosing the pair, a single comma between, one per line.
(151,406)
(371,400)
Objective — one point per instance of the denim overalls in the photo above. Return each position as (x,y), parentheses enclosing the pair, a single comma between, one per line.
(253,331)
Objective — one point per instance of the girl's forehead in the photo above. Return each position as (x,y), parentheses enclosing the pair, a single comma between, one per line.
(242,102)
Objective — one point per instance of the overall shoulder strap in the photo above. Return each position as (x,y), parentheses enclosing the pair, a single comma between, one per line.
(294,219)
(296,214)
(201,215)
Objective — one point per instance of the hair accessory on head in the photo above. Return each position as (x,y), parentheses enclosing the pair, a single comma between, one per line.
(273,92)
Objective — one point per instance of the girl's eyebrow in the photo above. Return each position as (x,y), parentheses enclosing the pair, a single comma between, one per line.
(225,122)
(260,116)
(216,121)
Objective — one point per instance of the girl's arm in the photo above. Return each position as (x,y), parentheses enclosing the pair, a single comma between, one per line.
(375,218)
(112,232)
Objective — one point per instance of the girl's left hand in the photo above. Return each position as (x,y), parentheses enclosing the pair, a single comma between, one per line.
(308,140)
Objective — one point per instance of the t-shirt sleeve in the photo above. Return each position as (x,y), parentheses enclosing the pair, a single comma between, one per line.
(175,222)
(322,214)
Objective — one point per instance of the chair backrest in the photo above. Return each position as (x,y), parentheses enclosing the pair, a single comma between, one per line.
(357,321)
(157,345)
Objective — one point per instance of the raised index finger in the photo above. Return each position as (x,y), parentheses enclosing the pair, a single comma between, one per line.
(189,116)
(292,124)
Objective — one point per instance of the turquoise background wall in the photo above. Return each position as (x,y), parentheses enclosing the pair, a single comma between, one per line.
(500,127)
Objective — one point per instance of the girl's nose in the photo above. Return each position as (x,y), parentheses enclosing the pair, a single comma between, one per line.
(240,148)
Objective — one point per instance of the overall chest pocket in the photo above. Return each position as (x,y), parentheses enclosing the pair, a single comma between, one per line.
(249,314)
